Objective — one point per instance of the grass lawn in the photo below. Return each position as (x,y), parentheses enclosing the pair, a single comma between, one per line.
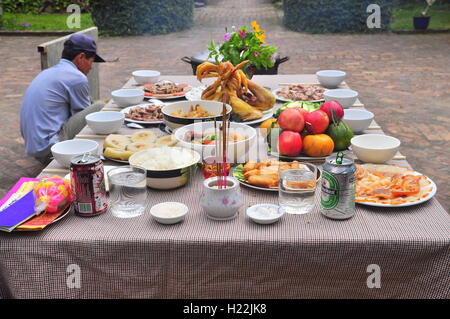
(42,22)
(402,18)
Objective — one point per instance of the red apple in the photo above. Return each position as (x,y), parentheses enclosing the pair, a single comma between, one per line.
(316,122)
(335,107)
(291,120)
(301,110)
(290,143)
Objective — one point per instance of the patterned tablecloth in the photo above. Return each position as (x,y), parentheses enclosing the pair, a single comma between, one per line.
(403,251)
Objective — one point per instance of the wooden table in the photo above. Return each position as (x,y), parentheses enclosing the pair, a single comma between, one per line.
(301,256)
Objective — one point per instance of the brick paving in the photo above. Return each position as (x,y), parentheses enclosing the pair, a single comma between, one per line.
(402,79)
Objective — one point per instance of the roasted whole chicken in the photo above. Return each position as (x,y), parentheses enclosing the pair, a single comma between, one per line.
(247,98)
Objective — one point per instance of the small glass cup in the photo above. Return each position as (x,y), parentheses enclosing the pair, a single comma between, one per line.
(127,191)
(297,189)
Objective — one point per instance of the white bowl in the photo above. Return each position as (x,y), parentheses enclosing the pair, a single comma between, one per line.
(236,152)
(105,122)
(64,151)
(357,120)
(169,212)
(127,97)
(212,107)
(375,148)
(330,78)
(346,97)
(264,218)
(146,76)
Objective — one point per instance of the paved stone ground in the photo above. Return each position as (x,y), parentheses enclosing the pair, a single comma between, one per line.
(403,79)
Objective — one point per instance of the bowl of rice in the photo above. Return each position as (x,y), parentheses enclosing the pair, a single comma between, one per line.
(167,167)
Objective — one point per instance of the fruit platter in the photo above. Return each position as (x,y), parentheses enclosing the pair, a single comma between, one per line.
(307,130)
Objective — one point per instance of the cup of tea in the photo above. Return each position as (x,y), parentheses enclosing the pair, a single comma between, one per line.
(211,167)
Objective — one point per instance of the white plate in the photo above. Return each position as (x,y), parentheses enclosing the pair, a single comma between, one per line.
(266,116)
(195,94)
(420,201)
(273,189)
(267,189)
(154,101)
(283,99)
(169,97)
(106,169)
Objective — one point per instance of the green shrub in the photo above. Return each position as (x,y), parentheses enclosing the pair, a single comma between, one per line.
(132,17)
(38,6)
(330,16)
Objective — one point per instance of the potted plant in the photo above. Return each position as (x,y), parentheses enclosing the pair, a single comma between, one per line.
(243,44)
(421,22)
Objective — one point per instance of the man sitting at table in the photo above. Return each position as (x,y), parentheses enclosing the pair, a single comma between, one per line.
(56,102)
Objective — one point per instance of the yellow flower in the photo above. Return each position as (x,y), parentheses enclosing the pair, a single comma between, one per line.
(260,35)
(255,26)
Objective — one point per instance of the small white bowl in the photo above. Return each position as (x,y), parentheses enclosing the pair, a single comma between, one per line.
(331,78)
(375,148)
(346,97)
(259,216)
(105,122)
(127,97)
(146,76)
(64,151)
(169,212)
(357,120)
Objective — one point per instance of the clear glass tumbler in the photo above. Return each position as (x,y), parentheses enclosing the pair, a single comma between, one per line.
(297,189)
(127,191)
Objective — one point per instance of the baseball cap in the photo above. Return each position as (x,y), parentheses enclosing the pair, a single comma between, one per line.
(84,42)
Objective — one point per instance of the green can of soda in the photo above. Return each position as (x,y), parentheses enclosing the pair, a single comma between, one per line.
(337,200)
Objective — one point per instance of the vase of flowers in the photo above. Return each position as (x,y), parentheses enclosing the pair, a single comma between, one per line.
(421,22)
(244,44)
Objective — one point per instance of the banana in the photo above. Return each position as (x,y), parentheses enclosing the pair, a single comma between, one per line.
(116,141)
(115,153)
(143,136)
(138,146)
(167,140)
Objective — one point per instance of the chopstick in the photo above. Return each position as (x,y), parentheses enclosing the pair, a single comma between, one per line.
(55,170)
(90,136)
(399,157)
(375,127)
(288,84)
(111,109)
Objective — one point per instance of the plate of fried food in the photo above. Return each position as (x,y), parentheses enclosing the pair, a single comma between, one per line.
(300,92)
(149,113)
(166,90)
(391,186)
(264,175)
(119,148)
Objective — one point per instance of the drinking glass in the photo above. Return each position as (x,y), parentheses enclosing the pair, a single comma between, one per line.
(297,189)
(127,191)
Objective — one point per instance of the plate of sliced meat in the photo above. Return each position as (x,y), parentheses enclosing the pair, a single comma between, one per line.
(144,113)
(300,92)
(166,90)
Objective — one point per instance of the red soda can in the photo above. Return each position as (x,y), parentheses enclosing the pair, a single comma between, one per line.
(88,185)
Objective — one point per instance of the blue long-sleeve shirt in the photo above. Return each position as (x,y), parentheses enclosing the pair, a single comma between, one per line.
(52,97)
